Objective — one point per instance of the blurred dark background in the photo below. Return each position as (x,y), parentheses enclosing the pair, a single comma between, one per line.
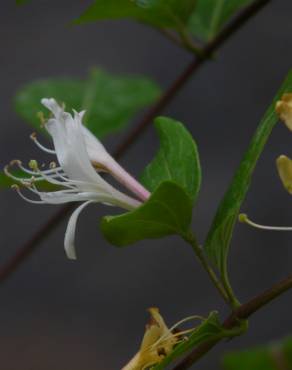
(90,314)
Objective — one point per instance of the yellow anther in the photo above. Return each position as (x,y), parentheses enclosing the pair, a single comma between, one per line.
(14,162)
(33,164)
(33,136)
(242,217)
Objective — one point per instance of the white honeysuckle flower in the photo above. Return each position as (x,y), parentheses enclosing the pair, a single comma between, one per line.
(97,153)
(77,152)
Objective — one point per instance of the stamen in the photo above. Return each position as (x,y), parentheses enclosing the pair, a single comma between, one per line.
(49,175)
(52,172)
(170,334)
(244,219)
(195,317)
(9,174)
(17,189)
(42,147)
(52,178)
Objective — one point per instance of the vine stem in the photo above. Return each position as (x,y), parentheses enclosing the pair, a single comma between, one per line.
(206,52)
(243,312)
(191,239)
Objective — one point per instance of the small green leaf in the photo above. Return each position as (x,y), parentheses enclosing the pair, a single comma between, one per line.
(167,212)
(110,101)
(177,159)
(219,236)
(208,330)
(275,356)
(211,15)
(159,13)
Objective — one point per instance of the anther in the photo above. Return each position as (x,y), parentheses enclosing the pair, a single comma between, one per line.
(242,217)
(33,164)
(16,162)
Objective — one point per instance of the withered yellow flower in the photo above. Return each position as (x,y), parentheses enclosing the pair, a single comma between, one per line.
(158,342)
(284,109)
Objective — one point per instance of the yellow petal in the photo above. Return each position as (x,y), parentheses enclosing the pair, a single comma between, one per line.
(284,166)
(158,342)
(284,110)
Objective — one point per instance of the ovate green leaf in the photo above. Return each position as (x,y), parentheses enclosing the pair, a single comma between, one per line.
(219,236)
(168,211)
(177,159)
(211,15)
(110,101)
(158,13)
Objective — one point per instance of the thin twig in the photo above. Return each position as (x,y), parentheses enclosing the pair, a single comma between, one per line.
(206,53)
(191,239)
(26,249)
(241,313)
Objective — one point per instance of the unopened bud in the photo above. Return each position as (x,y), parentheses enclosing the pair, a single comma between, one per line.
(284,110)
(284,166)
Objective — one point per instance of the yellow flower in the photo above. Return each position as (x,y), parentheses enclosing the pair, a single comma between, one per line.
(157,343)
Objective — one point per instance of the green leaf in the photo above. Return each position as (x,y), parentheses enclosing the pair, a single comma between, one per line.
(110,101)
(177,159)
(208,330)
(167,212)
(219,236)
(7,182)
(159,13)
(259,359)
(21,2)
(275,356)
(210,16)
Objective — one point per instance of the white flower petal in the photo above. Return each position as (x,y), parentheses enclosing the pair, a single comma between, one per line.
(53,106)
(70,232)
(95,149)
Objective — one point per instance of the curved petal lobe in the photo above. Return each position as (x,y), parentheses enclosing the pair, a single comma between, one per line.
(70,232)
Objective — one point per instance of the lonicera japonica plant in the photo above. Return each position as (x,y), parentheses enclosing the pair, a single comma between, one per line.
(161,201)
